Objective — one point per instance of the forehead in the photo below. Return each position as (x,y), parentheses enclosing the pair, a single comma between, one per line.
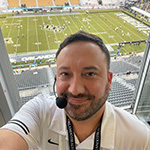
(81,52)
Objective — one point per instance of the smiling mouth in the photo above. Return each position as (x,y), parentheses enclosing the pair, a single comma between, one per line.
(77,101)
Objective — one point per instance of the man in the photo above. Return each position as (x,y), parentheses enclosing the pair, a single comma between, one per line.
(88,121)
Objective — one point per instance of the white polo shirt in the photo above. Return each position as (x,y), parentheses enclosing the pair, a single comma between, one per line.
(42,124)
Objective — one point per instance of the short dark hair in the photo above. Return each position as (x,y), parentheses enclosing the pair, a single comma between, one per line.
(84,36)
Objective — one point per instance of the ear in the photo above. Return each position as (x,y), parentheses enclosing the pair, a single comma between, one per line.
(110,76)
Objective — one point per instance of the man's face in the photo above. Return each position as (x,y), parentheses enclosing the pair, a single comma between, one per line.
(83,79)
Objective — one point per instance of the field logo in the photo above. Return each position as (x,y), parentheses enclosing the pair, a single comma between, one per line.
(8,40)
(53,28)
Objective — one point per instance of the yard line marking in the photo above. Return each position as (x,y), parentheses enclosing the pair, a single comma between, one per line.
(10,29)
(73,22)
(60,25)
(3,23)
(97,30)
(54,33)
(111,29)
(16,47)
(46,36)
(125,28)
(28,34)
(69,27)
(128,29)
(36,34)
(120,24)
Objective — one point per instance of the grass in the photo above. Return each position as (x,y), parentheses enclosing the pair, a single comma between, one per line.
(25,33)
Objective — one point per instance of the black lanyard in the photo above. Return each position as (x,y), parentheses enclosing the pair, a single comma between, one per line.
(72,146)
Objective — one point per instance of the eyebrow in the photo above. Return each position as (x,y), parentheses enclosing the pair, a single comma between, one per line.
(90,68)
(85,68)
(63,67)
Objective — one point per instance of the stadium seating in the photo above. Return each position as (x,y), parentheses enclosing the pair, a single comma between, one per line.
(121,94)
(13,3)
(132,81)
(29,3)
(136,60)
(60,2)
(45,3)
(121,67)
(74,2)
(32,79)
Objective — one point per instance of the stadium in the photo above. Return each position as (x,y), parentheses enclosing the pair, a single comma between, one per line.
(31,32)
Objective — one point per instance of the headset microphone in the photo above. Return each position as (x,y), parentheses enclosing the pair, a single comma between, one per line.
(61,102)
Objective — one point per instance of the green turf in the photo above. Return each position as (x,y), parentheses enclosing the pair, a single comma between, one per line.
(31,38)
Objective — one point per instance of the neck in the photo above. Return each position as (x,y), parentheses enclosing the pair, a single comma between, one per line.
(84,129)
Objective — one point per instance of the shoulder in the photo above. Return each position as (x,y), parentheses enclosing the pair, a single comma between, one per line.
(130,128)
(38,109)
(40,101)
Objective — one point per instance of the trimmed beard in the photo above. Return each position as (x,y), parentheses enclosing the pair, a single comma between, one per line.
(74,110)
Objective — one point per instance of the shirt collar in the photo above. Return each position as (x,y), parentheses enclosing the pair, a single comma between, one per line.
(58,125)
(108,127)
(107,131)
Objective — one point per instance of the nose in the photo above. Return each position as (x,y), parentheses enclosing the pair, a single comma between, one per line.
(76,86)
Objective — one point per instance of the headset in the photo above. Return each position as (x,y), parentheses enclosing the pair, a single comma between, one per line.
(61,102)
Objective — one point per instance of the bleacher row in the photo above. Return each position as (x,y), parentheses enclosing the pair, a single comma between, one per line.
(121,94)
(121,67)
(32,79)
(40,3)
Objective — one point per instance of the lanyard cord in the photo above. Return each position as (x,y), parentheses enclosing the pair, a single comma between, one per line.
(72,146)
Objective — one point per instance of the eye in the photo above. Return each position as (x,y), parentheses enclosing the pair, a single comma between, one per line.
(90,74)
(64,75)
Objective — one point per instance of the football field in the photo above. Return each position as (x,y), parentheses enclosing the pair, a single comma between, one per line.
(44,32)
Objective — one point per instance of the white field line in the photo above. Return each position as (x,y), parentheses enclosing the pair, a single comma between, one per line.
(113,30)
(36,34)
(98,32)
(73,22)
(60,25)
(84,27)
(108,28)
(5,20)
(128,30)
(46,36)
(69,26)
(28,34)
(17,38)
(54,33)
(10,29)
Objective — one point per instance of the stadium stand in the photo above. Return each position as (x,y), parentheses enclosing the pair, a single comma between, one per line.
(45,3)
(29,3)
(32,79)
(121,94)
(14,3)
(122,67)
(33,82)
(132,81)
(136,60)
(74,2)
(88,2)
(3,5)
(61,2)
(27,98)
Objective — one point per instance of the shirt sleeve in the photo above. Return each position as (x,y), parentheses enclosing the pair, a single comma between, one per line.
(28,120)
